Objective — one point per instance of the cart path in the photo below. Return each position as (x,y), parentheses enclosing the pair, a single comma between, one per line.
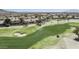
(66,43)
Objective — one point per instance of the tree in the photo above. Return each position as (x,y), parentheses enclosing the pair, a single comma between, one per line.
(36,16)
(77,33)
(39,21)
(21,20)
(73,16)
(7,22)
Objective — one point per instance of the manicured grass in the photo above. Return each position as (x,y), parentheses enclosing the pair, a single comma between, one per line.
(74,23)
(43,37)
(36,39)
(27,30)
(11,31)
(48,41)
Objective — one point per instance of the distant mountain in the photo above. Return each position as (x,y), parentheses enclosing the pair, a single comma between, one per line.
(16,11)
(3,11)
(35,10)
(72,10)
(6,11)
(42,10)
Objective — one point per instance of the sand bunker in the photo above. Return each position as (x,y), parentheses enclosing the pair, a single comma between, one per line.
(19,34)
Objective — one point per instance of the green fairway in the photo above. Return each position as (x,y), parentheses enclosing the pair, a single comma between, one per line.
(35,38)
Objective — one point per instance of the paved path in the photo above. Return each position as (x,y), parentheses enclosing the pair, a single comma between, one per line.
(66,43)
(70,43)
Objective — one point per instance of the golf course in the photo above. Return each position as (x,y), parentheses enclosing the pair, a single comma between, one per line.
(36,37)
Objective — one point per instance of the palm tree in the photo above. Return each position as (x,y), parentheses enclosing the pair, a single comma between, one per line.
(67,18)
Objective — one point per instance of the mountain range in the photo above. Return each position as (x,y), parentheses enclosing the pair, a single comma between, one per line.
(42,10)
(37,10)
